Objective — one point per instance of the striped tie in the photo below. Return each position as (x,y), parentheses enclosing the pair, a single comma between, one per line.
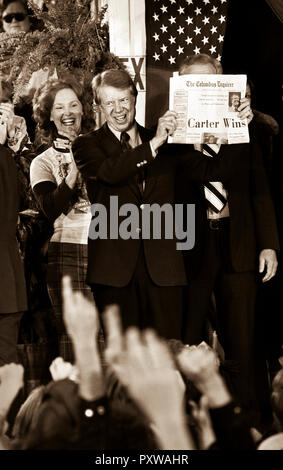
(214,192)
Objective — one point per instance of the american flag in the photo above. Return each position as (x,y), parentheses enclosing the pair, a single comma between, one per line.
(178,28)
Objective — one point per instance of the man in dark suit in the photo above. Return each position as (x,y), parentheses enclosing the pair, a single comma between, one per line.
(13,299)
(130,165)
(236,237)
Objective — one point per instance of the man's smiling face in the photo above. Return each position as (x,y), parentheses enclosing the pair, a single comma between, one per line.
(119,107)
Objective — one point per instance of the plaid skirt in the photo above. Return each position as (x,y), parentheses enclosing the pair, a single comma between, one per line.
(66,259)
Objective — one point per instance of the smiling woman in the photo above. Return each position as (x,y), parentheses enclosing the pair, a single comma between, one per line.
(61,112)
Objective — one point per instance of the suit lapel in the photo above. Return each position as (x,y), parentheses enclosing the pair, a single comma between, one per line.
(113,145)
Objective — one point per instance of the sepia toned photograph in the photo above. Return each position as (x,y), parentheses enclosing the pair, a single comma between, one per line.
(141,213)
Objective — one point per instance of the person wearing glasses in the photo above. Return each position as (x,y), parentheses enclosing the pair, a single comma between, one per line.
(15,17)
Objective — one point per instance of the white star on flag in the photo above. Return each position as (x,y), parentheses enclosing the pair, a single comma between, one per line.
(175,29)
(189,20)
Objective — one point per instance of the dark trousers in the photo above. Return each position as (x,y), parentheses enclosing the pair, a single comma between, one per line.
(9,331)
(235,303)
(144,304)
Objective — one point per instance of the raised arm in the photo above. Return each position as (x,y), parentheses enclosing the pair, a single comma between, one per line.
(53,199)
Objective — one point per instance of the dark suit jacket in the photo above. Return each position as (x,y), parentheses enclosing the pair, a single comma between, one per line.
(110,172)
(252,217)
(13,286)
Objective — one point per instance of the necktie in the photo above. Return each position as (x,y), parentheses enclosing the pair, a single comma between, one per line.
(214,192)
(125,144)
(124,140)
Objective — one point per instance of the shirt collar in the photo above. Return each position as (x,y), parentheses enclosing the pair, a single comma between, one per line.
(133,133)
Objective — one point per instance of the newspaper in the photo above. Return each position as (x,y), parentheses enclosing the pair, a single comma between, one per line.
(207,107)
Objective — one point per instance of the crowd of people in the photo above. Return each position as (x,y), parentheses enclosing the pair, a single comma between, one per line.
(146,394)
(158,382)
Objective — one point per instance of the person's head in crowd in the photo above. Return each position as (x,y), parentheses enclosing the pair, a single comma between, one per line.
(277,400)
(58,424)
(62,106)
(115,93)
(15,16)
(200,64)
(26,419)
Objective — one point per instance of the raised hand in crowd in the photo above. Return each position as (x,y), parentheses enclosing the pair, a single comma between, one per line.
(11,381)
(201,416)
(82,324)
(114,342)
(13,128)
(60,370)
(232,430)
(143,363)
(7,117)
(201,366)
(3,132)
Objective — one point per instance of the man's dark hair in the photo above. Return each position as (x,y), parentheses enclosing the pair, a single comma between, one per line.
(115,78)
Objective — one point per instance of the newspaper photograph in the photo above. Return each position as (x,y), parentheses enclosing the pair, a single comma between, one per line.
(207,107)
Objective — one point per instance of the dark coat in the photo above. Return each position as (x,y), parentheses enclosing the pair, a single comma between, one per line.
(110,172)
(12,279)
(252,218)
